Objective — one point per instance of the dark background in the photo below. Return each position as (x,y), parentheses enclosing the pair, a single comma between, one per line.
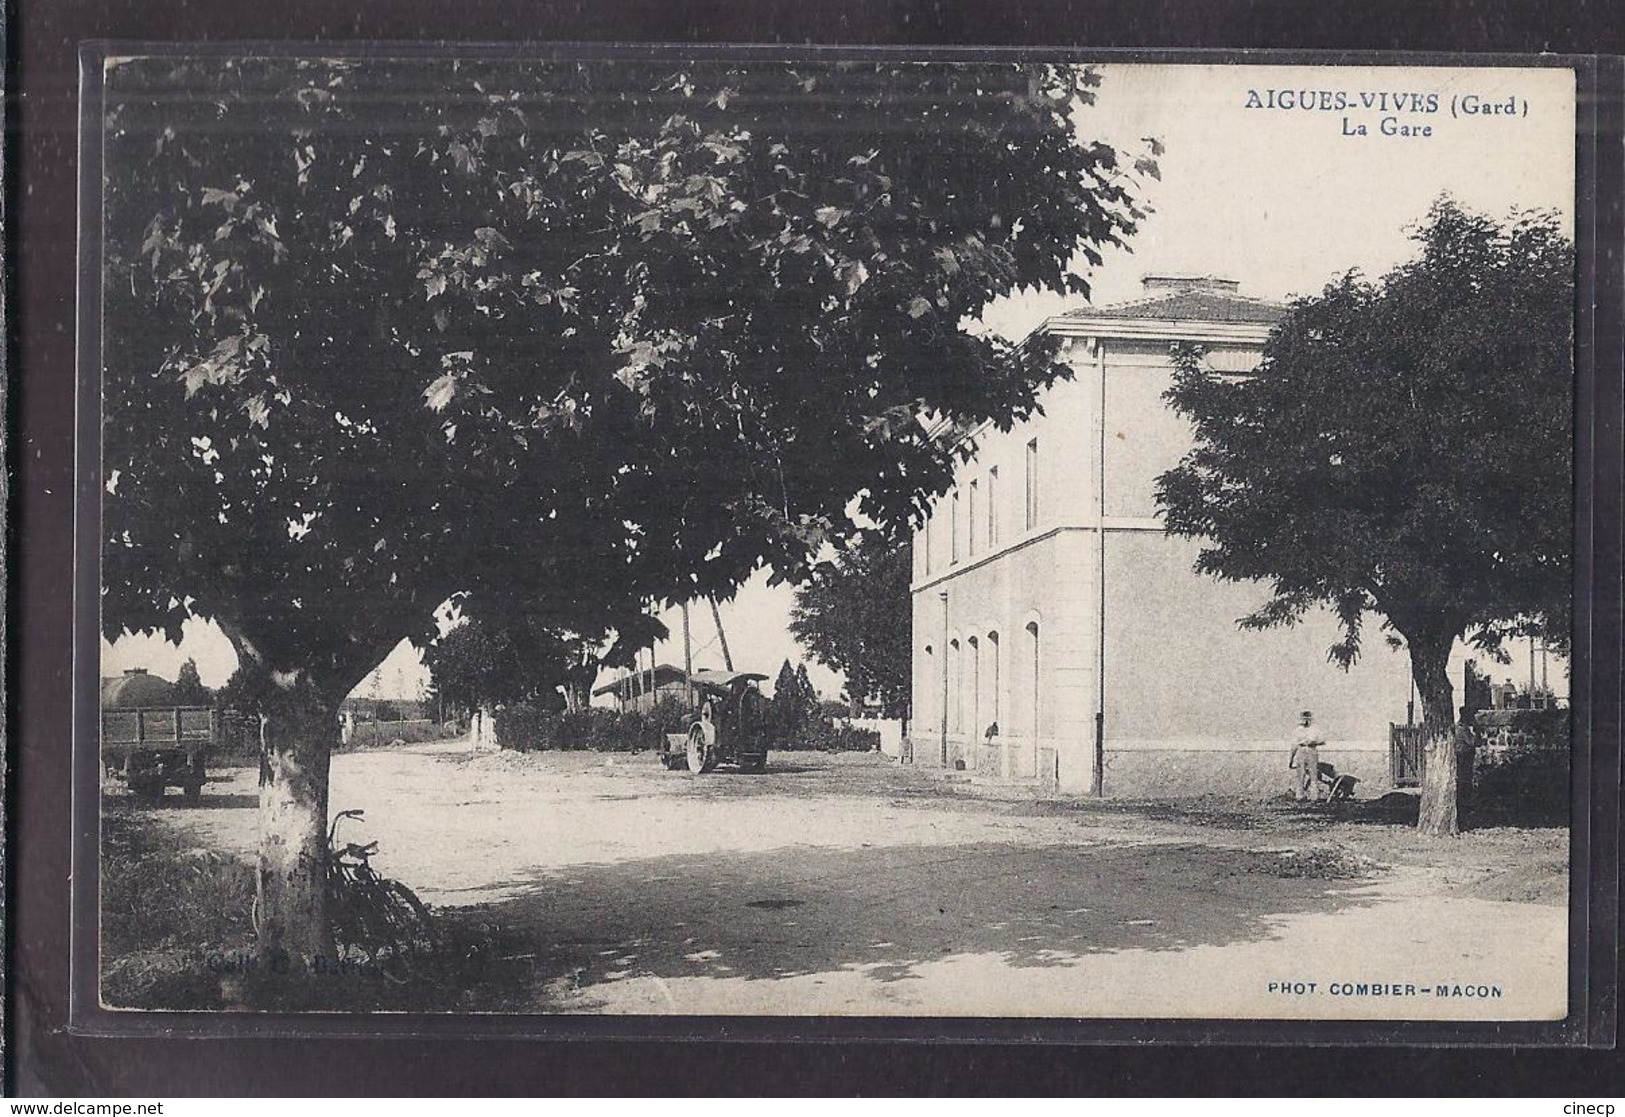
(43,1058)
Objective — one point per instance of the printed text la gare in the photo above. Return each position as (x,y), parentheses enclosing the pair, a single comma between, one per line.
(1395,105)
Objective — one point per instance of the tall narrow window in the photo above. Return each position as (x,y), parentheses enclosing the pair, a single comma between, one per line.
(1032,484)
(994,680)
(955,697)
(1032,670)
(953,529)
(923,702)
(992,508)
(925,544)
(975,688)
(970,520)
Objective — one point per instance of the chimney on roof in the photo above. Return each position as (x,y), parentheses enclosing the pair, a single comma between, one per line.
(1183,284)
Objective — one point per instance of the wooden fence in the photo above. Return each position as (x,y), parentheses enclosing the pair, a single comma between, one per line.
(1407,745)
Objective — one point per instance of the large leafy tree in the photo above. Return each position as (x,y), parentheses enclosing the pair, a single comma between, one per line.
(1404,452)
(853,615)
(604,334)
(484,662)
(475,665)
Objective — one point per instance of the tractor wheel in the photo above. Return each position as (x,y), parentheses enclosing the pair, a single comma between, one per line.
(700,758)
(196,778)
(148,790)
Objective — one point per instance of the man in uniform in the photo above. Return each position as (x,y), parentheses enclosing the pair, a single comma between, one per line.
(1306,758)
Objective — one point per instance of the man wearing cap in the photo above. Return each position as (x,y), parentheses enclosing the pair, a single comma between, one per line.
(1306,758)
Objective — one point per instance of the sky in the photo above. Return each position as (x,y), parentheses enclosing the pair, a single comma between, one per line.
(1278,198)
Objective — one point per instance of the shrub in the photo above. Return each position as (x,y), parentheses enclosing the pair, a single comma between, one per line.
(1521,785)
(825,736)
(670,715)
(1521,767)
(525,728)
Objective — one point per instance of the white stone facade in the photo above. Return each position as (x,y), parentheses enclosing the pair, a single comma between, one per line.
(1047,596)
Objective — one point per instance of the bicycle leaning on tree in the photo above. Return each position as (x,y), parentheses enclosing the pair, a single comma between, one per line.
(377,921)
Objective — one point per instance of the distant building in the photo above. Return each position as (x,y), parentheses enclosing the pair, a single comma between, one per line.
(642,691)
(1049,604)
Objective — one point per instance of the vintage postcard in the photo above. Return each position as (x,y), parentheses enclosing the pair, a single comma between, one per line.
(708,534)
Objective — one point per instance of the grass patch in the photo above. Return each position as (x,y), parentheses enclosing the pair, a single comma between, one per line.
(169,913)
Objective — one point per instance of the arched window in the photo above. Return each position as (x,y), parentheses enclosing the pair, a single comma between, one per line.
(922,700)
(975,687)
(956,707)
(1033,676)
(994,681)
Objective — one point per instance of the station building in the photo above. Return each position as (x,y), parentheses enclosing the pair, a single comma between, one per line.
(1052,610)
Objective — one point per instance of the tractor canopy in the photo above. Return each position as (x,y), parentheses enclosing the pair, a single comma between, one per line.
(722,682)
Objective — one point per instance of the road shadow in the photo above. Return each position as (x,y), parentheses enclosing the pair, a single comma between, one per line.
(1219,812)
(222,801)
(1396,808)
(883,912)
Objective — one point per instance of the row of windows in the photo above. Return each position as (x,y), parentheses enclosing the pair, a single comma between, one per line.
(981,520)
(977,687)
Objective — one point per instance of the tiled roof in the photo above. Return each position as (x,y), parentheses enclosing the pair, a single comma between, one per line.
(1190,306)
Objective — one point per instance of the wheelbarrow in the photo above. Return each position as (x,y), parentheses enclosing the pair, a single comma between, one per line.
(1339,786)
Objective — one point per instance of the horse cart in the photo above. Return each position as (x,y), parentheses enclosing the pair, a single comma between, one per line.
(729,726)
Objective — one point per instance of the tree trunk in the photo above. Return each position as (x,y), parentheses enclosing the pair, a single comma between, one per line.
(578,680)
(485,730)
(1440,814)
(299,727)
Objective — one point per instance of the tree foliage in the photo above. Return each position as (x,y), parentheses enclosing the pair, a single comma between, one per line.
(1405,450)
(853,614)
(383,331)
(189,688)
(794,707)
(482,663)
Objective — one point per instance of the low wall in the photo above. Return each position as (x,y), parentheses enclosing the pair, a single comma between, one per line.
(1251,773)
(1150,770)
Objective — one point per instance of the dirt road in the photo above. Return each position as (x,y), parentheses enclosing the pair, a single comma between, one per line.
(848,884)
